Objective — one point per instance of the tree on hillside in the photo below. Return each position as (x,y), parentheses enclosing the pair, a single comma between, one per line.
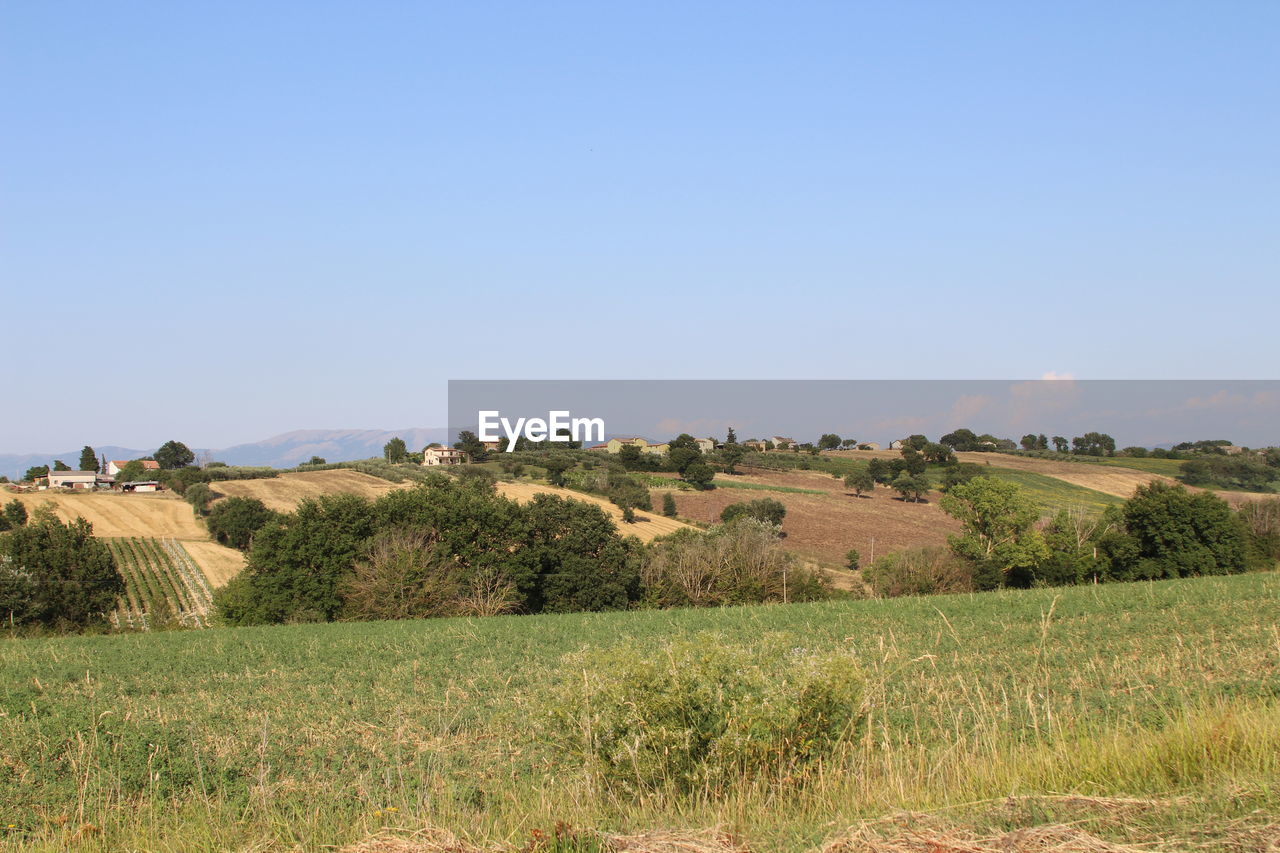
(912,487)
(234,521)
(699,474)
(469,443)
(880,471)
(88,459)
(15,512)
(732,437)
(731,455)
(59,465)
(860,480)
(961,440)
(1042,443)
(1028,441)
(174,454)
(395,451)
(316,460)
(937,453)
(998,536)
(683,452)
(1173,533)
(829,441)
(56,575)
(556,465)
(1093,444)
(1060,444)
(668,505)
(916,442)
(35,472)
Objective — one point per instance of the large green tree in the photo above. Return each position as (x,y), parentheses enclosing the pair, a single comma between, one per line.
(998,537)
(56,575)
(88,459)
(174,454)
(235,521)
(395,451)
(1174,533)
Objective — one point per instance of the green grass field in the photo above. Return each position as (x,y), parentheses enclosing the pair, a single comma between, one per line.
(1167,467)
(1050,493)
(298,737)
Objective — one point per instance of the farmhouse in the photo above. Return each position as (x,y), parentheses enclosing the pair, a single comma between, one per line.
(615,445)
(443,456)
(78,480)
(141,486)
(897,444)
(754,444)
(114,466)
(706,445)
(781,442)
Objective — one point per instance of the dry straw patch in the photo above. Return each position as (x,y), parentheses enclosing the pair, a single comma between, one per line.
(436,840)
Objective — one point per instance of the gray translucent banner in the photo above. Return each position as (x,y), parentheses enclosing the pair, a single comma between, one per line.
(1147,413)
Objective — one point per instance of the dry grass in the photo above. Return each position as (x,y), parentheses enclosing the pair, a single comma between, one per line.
(218,562)
(285,492)
(1117,481)
(113,514)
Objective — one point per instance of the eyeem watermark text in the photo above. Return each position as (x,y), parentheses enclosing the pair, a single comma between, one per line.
(558,426)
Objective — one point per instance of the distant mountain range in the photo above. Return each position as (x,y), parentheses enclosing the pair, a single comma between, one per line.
(280,451)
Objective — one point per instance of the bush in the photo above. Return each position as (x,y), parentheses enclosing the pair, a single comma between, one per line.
(767,510)
(235,521)
(56,575)
(919,571)
(1262,520)
(199,495)
(738,563)
(669,505)
(701,715)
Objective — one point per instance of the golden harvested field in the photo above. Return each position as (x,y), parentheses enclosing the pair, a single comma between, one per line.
(648,525)
(285,492)
(159,516)
(149,516)
(825,526)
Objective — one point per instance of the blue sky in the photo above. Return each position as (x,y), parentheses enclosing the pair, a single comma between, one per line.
(222,221)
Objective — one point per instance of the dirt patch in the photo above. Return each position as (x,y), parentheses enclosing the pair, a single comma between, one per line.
(825,526)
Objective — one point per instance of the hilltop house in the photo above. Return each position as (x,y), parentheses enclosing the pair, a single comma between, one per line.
(781,442)
(754,444)
(114,466)
(443,456)
(615,445)
(78,480)
(706,445)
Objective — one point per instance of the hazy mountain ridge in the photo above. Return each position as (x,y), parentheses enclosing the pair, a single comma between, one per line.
(279,451)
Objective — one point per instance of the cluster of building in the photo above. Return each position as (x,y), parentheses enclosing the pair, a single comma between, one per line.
(86,480)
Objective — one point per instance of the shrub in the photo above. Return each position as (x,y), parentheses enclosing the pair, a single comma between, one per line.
(919,571)
(701,715)
(767,510)
(1262,520)
(669,505)
(738,563)
(235,521)
(199,495)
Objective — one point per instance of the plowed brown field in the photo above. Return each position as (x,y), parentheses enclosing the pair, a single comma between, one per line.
(825,526)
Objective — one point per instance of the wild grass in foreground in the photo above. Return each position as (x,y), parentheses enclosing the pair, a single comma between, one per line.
(990,711)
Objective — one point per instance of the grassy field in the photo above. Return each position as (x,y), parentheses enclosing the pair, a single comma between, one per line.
(1139,713)
(1052,493)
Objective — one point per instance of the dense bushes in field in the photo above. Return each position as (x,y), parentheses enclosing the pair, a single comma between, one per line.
(55,575)
(701,714)
(1230,472)
(1163,531)
(737,563)
(442,548)
(457,548)
(919,571)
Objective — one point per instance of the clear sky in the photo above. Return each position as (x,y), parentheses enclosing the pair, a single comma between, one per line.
(219,221)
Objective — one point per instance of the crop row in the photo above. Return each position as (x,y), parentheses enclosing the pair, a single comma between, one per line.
(162,584)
